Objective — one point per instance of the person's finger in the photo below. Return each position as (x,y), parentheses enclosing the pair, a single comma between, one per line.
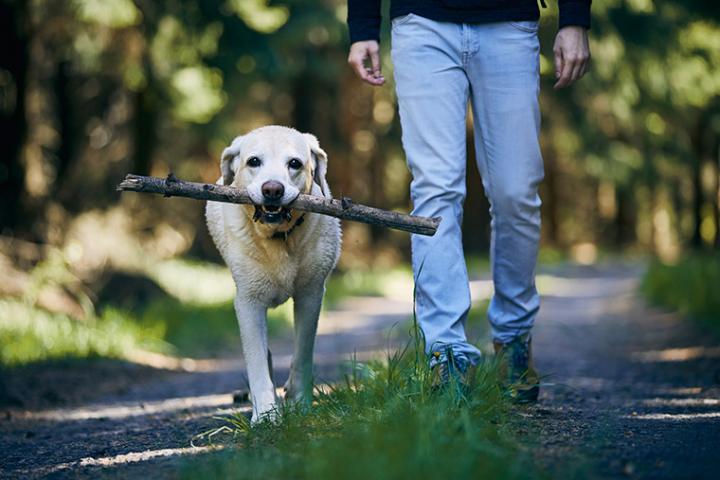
(580,66)
(558,53)
(565,74)
(356,62)
(372,78)
(375,67)
(585,66)
(576,69)
(375,62)
(581,70)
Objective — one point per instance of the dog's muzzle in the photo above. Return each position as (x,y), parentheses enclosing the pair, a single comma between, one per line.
(272,214)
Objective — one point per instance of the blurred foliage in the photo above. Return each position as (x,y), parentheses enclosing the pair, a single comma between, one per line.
(205,330)
(116,86)
(55,271)
(29,334)
(476,322)
(641,131)
(691,287)
(367,283)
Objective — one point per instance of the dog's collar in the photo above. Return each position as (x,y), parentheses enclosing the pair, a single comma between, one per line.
(285,234)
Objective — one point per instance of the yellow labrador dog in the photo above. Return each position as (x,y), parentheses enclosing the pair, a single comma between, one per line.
(275,252)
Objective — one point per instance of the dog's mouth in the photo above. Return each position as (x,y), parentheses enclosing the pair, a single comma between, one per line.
(272,214)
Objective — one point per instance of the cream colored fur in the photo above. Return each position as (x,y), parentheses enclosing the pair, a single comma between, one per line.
(268,271)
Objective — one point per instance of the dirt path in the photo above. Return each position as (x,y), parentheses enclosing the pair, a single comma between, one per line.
(632,392)
(637,391)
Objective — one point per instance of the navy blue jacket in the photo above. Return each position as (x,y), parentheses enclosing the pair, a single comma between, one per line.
(364,15)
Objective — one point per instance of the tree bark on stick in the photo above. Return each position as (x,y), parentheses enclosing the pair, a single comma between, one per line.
(344,209)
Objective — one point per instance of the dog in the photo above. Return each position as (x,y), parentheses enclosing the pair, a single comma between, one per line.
(274,252)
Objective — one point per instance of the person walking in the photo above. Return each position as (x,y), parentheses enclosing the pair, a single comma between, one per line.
(446,53)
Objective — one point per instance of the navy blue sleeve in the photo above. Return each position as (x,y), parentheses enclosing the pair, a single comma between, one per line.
(574,12)
(364,17)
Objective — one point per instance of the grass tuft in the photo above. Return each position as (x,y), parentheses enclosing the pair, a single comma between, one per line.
(384,420)
(691,286)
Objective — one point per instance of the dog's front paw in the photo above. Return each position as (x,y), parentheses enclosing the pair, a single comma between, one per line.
(269,413)
(297,394)
(264,408)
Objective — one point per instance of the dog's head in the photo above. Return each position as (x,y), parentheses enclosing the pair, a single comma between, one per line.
(275,164)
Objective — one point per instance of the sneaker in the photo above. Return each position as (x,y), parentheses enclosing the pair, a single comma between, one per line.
(450,370)
(520,380)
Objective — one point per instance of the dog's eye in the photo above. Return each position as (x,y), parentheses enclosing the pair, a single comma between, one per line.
(253,162)
(295,164)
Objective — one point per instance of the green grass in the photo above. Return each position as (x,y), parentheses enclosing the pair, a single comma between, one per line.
(188,323)
(198,327)
(691,286)
(202,330)
(382,422)
(364,283)
(477,265)
(29,334)
(195,322)
(477,317)
(196,319)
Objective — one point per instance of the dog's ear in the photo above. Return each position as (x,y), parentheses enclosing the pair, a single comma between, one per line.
(226,160)
(321,161)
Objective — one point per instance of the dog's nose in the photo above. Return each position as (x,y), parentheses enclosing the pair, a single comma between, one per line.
(272,190)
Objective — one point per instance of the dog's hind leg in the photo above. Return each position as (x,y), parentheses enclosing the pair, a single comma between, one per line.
(253,333)
(270,367)
(306,311)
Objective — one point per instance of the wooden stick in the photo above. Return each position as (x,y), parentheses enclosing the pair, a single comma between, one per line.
(344,209)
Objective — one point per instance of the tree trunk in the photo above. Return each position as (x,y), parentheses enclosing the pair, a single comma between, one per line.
(625,220)
(476,218)
(304,95)
(147,100)
(14,59)
(705,147)
(65,105)
(145,126)
(716,199)
(696,241)
(551,215)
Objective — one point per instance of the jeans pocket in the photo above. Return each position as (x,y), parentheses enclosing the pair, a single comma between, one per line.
(397,21)
(530,26)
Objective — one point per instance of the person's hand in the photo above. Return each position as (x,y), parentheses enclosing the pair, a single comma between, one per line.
(572,55)
(362,52)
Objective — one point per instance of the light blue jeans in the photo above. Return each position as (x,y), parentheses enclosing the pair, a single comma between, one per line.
(439,67)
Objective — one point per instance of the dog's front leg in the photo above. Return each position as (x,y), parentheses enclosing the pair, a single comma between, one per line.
(306,311)
(252,319)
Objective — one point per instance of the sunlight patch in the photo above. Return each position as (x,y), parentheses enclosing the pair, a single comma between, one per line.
(681,402)
(111,13)
(677,354)
(133,457)
(259,16)
(132,410)
(675,416)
